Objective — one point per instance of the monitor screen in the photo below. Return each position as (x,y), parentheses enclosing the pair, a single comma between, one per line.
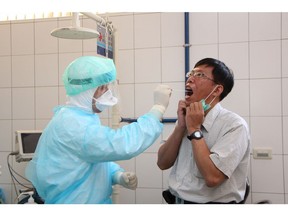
(26,143)
(29,142)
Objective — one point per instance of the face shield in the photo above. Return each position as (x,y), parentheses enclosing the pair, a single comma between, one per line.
(88,72)
(84,76)
(102,97)
(106,96)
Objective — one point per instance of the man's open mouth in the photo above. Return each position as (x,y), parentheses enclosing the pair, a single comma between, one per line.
(188,92)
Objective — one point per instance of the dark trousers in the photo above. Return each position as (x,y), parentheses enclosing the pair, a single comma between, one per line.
(171,199)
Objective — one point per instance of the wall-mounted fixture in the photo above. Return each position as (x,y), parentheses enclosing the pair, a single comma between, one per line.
(75,31)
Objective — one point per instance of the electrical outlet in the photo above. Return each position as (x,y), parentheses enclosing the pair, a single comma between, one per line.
(262,153)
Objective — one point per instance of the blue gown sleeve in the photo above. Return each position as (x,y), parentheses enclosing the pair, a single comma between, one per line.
(103,143)
(114,167)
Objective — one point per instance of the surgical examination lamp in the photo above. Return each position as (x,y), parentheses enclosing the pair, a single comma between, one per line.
(76,31)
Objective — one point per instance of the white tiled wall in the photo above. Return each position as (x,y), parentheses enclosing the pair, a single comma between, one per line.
(229,32)
(150,51)
(265,26)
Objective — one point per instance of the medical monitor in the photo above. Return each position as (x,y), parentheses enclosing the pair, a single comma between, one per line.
(26,143)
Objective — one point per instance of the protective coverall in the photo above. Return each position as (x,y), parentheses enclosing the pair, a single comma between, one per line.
(63,171)
(73,161)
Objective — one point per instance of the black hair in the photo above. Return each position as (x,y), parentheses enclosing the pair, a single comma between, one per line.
(221,74)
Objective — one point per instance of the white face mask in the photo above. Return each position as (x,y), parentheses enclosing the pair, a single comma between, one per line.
(106,100)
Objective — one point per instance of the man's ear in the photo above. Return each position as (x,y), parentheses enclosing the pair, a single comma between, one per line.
(218,91)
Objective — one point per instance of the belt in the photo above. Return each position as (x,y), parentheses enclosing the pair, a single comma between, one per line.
(171,199)
(181,201)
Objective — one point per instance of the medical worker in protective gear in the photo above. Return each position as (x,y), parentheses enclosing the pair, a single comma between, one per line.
(73,162)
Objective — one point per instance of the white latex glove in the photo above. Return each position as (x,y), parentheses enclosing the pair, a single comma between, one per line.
(162,96)
(126,179)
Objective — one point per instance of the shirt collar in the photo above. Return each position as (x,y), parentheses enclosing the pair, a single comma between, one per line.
(211,116)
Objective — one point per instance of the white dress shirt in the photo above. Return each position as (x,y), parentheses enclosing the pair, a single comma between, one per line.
(227,136)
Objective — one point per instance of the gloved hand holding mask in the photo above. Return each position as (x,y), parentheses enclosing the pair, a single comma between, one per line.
(162,96)
(126,179)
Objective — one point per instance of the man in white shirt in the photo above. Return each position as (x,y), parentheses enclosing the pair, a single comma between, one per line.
(209,148)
